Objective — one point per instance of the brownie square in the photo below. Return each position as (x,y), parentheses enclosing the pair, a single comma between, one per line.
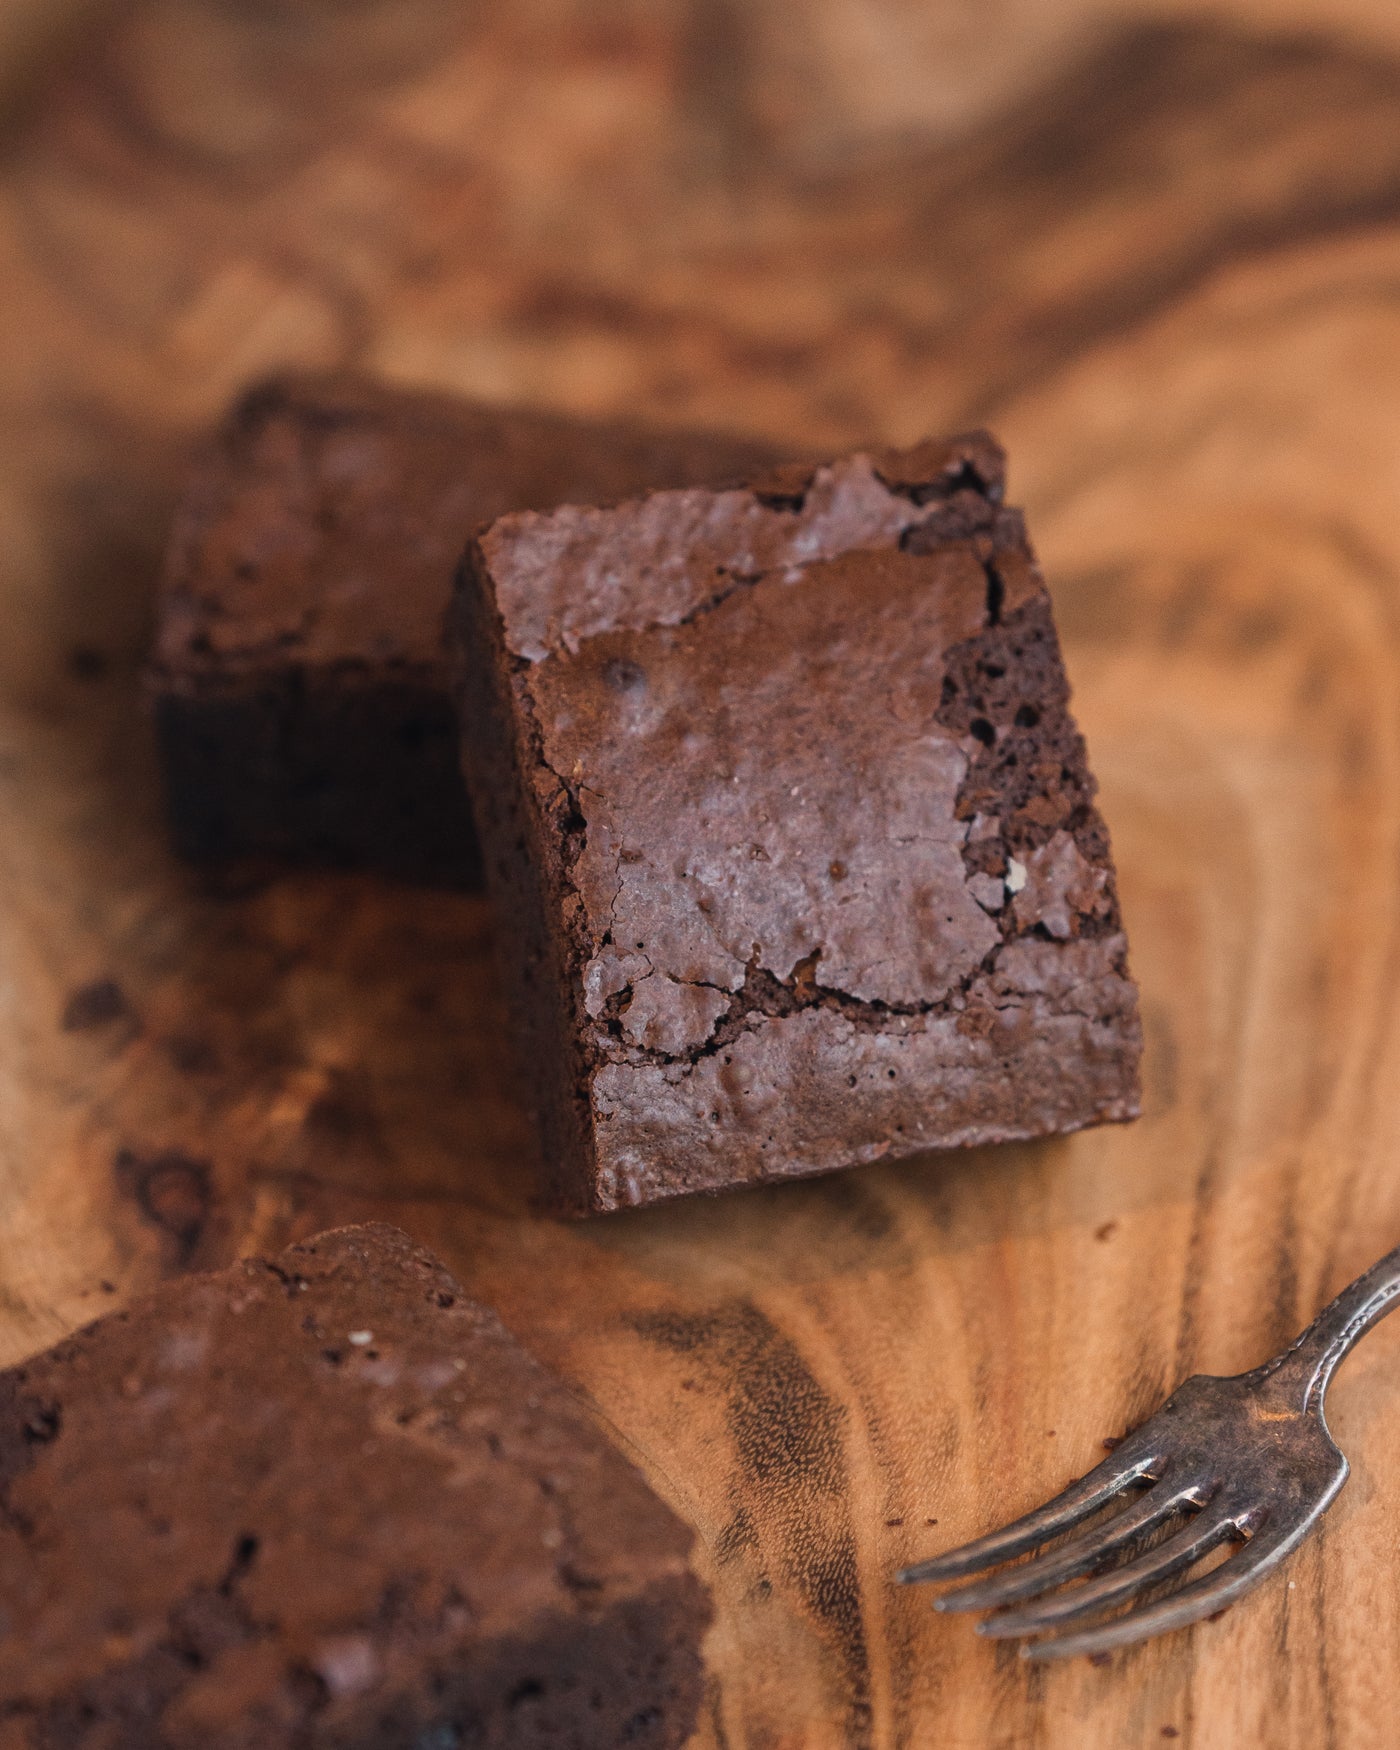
(794,833)
(324,1502)
(302,700)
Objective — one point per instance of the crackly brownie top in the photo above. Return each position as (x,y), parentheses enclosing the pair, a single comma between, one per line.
(764,712)
(568,574)
(324,523)
(324,1468)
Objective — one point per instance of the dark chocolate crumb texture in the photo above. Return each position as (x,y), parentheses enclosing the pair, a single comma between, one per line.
(792,830)
(321,1501)
(302,699)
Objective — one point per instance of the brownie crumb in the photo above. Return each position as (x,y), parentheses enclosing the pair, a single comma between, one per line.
(95,1005)
(192,1055)
(87,663)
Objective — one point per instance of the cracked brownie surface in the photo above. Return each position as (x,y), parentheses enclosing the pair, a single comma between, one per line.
(793,826)
(324,1500)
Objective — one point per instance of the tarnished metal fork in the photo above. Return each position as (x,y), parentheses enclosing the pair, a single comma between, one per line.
(1248,1458)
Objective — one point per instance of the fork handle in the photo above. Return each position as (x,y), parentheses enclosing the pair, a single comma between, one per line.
(1310,1362)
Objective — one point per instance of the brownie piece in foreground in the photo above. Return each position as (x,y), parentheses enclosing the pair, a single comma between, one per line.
(792,829)
(321,1501)
(303,704)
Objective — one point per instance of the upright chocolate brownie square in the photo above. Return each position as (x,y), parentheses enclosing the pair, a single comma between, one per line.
(324,1502)
(792,828)
(303,705)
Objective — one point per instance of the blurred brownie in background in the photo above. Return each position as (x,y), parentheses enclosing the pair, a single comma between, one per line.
(791,828)
(302,701)
(324,1502)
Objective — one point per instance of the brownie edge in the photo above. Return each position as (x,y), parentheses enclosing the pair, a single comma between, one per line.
(325,1502)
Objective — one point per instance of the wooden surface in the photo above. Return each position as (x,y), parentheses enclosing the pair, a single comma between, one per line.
(1163,260)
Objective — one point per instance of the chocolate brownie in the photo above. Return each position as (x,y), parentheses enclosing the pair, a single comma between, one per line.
(795,835)
(323,1501)
(302,701)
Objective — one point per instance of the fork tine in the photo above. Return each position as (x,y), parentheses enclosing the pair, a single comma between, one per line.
(1130,1463)
(1077,1556)
(1080,1602)
(1199,1598)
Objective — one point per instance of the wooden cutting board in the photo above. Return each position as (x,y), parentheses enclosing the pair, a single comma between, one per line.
(1163,262)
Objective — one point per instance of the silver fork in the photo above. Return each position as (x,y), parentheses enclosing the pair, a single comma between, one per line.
(1248,1458)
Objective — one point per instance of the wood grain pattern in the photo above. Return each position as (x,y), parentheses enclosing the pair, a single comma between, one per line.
(1163,257)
